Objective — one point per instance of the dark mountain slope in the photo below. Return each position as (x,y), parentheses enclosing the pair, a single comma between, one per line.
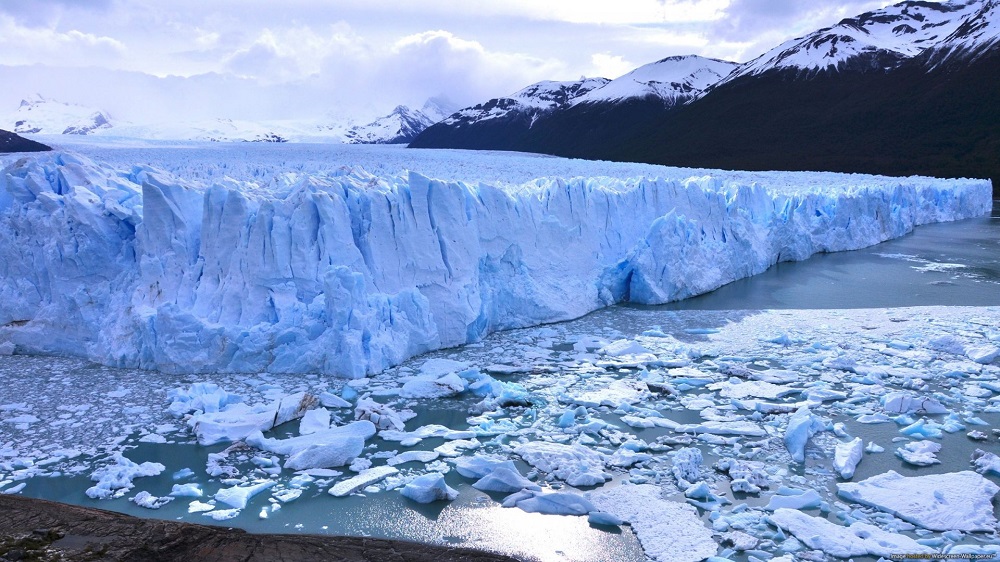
(11,142)
(910,121)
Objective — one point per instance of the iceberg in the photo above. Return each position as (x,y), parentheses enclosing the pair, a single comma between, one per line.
(956,501)
(669,531)
(860,539)
(429,488)
(340,271)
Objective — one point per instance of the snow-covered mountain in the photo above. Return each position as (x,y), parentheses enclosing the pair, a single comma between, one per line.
(44,116)
(878,40)
(399,127)
(908,89)
(527,103)
(38,115)
(674,80)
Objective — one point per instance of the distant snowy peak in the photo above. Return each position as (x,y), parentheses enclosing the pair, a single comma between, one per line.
(399,127)
(439,107)
(38,115)
(538,98)
(673,80)
(875,40)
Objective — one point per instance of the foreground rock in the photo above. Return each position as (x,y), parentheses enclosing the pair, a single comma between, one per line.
(43,530)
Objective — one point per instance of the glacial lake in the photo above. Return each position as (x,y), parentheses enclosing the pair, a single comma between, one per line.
(817,305)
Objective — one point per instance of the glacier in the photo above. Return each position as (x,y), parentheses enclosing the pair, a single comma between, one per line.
(345,272)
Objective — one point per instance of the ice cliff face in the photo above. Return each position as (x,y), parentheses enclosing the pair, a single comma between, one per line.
(344,272)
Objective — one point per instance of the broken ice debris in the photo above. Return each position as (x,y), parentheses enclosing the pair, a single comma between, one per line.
(956,501)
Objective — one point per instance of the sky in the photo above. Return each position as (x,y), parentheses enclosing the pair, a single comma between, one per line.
(309,58)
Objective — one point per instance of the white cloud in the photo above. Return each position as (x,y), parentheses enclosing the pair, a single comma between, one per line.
(610,66)
(27,45)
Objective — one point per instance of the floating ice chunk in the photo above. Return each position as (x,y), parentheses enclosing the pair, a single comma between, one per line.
(738,427)
(504,479)
(575,464)
(860,539)
(114,480)
(413,456)
(986,462)
(687,466)
(429,488)
(363,480)
(223,514)
(360,429)
(873,418)
(440,367)
(906,403)
(237,421)
(314,420)
(149,501)
(186,490)
(478,466)
(427,387)
(923,428)
(846,457)
(332,452)
(982,353)
(792,498)
(919,453)
(614,394)
(956,501)
(330,400)
(746,477)
(801,426)
(152,438)
(409,439)
(238,496)
(668,531)
(752,389)
(455,448)
(552,503)
(199,507)
(625,457)
(624,347)
(381,415)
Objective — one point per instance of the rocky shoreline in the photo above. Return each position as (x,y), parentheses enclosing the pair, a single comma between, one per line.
(34,529)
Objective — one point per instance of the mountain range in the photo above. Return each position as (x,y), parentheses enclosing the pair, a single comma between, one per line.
(40,115)
(908,89)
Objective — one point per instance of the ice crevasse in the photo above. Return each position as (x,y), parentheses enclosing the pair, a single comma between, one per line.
(347,273)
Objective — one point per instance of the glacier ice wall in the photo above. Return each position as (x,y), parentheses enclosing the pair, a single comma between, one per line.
(348,273)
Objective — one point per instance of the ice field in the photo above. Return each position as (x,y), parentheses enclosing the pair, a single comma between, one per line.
(303,388)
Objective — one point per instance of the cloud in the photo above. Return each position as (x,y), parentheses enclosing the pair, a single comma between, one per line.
(750,27)
(27,45)
(610,66)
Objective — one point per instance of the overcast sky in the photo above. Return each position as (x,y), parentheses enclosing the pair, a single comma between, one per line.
(344,56)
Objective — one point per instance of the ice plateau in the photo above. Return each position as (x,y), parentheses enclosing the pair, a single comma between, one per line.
(344,272)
